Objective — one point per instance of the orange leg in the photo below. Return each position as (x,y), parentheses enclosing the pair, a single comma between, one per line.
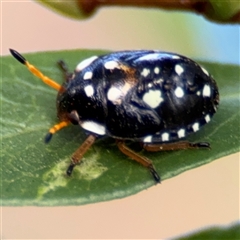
(155,148)
(138,158)
(78,154)
(174,146)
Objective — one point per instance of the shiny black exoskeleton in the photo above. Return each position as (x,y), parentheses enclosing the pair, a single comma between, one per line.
(144,96)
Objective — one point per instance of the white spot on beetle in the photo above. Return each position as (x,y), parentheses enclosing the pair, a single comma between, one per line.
(150,56)
(198,93)
(179,92)
(157,70)
(145,72)
(89,90)
(94,127)
(175,57)
(205,71)
(160,80)
(165,137)
(195,126)
(150,85)
(85,63)
(206,90)
(72,91)
(114,94)
(207,118)
(181,133)
(111,65)
(87,75)
(73,76)
(153,98)
(117,92)
(178,69)
(148,139)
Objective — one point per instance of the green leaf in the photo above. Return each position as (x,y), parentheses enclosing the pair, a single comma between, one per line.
(217,233)
(71,9)
(223,10)
(33,173)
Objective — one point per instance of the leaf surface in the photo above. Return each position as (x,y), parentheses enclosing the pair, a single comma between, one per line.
(217,233)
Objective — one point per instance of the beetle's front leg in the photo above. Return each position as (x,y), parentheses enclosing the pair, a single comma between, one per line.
(78,154)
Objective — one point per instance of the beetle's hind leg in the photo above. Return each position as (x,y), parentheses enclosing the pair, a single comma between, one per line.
(138,158)
(175,146)
(64,68)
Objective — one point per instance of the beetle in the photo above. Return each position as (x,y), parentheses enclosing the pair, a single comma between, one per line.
(152,97)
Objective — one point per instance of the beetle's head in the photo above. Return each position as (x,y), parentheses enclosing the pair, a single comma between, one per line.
(66,106)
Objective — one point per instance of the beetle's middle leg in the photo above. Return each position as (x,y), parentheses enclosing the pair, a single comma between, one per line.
(138,158)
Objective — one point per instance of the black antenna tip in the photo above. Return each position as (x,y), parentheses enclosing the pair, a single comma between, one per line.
(48,137)
(18,56)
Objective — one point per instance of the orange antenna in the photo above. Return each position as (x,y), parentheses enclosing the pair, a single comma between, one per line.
(35,71)
(54,129)
(47,81)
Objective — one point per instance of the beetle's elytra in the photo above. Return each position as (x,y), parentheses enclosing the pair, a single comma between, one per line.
(151,97)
